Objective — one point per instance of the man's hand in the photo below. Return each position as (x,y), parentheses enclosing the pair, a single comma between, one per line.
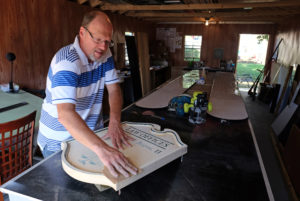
(115,131)
(116,162)
(117,135)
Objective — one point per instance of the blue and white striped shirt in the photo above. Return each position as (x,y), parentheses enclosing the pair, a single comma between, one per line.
(72,79)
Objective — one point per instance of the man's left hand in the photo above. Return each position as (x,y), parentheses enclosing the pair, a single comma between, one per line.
(117,135)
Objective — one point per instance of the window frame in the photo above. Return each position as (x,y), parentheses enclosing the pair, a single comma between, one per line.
(193,47)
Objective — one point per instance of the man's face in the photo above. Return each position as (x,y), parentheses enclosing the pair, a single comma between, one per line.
(95,39)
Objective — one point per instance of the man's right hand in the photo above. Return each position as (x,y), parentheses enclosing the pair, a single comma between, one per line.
(116,162)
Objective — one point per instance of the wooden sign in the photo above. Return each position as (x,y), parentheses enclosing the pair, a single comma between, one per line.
(151,150)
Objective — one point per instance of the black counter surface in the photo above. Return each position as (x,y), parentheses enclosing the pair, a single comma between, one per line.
(221,165)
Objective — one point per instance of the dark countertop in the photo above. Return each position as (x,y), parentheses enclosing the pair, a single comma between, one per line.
(221,165)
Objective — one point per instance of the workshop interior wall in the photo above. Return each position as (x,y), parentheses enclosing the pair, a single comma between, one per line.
(224,36)
(289,50)
(36,29)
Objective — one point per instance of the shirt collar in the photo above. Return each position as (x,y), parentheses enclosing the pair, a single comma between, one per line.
(84,58)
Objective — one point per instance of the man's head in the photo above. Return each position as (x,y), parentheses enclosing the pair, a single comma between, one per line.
(95,34)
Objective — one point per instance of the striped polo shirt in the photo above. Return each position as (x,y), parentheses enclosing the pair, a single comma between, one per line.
(72,79)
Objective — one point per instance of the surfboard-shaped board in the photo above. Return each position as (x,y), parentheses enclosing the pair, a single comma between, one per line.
(151,150)
(162,96)
(225,103)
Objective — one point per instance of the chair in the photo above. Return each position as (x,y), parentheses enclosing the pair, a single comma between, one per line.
(16,147)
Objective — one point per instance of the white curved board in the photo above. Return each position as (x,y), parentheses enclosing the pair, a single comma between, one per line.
(162,96)
(225,103)
(151,150)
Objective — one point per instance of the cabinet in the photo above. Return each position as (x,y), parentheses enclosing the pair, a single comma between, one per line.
(159,76)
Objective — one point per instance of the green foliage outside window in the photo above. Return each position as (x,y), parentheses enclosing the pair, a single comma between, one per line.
(192,48)
(262,37)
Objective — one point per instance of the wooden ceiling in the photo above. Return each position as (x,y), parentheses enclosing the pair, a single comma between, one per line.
(195,11)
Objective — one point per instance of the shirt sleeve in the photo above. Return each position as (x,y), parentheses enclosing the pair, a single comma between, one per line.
(64,83)
(111,75)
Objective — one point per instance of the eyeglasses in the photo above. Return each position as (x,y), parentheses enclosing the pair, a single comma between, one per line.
(100,41)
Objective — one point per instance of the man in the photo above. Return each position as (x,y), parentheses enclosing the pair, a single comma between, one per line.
(74,91)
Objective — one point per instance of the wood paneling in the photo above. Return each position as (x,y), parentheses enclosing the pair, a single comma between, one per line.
(36,29)
(144,61)
(224,36)
(289,50)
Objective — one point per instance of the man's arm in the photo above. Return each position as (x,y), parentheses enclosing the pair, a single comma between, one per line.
(115,131)
(114,160)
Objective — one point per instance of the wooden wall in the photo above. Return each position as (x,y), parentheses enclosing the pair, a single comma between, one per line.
(289,51)
(216,36)
(289,54)
(36,29)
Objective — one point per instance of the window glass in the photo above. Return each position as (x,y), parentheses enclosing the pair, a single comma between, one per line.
(126,54)
(192,48)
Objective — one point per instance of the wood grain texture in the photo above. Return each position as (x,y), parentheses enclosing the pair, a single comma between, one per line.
(289,50)
(36,29)
(144,61)
(224,36)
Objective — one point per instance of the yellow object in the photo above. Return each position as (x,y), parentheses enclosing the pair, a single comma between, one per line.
(195,94)
(186,107)
(209,106)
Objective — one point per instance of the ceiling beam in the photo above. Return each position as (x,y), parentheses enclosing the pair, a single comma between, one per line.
(288,3)
(122,12)
(81,1)
(189,2)
(219,14)
(199,19)
(95,3)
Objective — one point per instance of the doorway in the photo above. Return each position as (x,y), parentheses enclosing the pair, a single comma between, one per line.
(251,58)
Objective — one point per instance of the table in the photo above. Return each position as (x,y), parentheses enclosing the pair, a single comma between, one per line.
(221,164)
(34,103)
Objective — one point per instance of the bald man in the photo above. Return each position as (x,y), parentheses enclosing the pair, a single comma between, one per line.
(74,94)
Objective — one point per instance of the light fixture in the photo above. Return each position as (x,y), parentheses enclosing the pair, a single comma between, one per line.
(206,21)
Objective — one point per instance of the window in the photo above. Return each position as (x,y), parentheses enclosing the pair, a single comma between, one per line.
(126,54)
(192,48)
